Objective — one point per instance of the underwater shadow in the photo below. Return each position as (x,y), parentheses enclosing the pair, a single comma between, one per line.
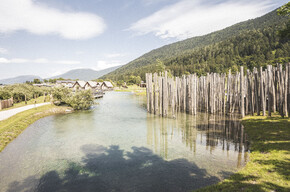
(112,169)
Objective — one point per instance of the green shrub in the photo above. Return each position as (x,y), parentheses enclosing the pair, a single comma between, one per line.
(79,100)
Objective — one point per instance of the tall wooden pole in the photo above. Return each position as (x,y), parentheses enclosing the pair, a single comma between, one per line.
(242,91)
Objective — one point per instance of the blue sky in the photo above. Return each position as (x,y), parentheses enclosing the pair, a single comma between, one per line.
(49,37)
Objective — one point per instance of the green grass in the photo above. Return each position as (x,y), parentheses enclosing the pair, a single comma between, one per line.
(32,101)
(10,128)
(269,165)
(134,89)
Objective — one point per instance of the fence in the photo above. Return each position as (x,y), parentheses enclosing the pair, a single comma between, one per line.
(256,92)
(6,103)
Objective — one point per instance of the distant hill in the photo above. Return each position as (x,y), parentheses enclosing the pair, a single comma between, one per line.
(85,74)
(250,43)
(19,79)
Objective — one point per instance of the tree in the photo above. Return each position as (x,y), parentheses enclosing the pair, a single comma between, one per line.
(36,81)
(79,100)
(285,11)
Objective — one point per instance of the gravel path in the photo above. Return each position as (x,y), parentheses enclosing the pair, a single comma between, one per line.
(8,113)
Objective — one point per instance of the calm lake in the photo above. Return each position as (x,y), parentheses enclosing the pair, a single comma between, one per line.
(118,146)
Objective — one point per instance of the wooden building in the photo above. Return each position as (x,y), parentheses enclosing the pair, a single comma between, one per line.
(107,86)
(79,85)
(66,83)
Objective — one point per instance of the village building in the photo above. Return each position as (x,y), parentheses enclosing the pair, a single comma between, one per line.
(66,83)
(92,85)
(107,86)
(42,85)
(79,85)
(142,84)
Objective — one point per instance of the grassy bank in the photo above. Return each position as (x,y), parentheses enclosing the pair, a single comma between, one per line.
(13,126)
(32,101)
(134,89)
(269,165)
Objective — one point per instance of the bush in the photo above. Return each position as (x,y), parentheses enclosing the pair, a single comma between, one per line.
(79,100)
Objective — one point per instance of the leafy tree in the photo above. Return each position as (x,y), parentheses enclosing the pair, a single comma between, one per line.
(79,100)
(36,81)
(284,10)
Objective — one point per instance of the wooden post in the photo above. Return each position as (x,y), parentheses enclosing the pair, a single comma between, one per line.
(156,94)
(194,94)
(165,95)
(242,91)
(269,89)
(151,94)
(160,81)
(257,91)
(173,98)
(263,104)
(286,90)
(273,95)
(229,93)
(147,91)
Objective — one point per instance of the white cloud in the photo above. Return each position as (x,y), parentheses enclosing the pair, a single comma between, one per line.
(39,19)
(15,60)
(189,18)
(3,51)
(41,60)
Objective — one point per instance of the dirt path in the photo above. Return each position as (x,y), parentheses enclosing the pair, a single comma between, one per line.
(8,113)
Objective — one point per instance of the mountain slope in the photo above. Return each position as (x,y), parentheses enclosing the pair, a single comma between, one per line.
(19,79)
(264,27)
(85,74)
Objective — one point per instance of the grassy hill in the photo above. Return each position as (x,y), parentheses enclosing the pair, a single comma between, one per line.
(251,43)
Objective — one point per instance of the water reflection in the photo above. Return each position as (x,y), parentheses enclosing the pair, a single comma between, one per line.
(215,132)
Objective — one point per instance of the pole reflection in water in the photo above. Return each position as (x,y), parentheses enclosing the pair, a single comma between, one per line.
(207,140)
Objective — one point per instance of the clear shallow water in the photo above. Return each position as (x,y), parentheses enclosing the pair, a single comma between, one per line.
(117,146)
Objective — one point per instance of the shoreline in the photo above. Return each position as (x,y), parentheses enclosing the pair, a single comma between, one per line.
(13,126)
(268,168)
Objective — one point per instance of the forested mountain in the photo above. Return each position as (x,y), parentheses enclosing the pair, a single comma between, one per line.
(251,43)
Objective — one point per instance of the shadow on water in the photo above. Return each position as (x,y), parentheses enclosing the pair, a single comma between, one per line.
(111,169)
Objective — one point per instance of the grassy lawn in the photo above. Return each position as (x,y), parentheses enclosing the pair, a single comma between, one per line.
(32,101)
(13,126)
(269,165)
(133,88)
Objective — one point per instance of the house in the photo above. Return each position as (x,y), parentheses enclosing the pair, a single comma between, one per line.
(79,85)
(42,85)
(93,85)
(142,84)
(107,86)
(66,83)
